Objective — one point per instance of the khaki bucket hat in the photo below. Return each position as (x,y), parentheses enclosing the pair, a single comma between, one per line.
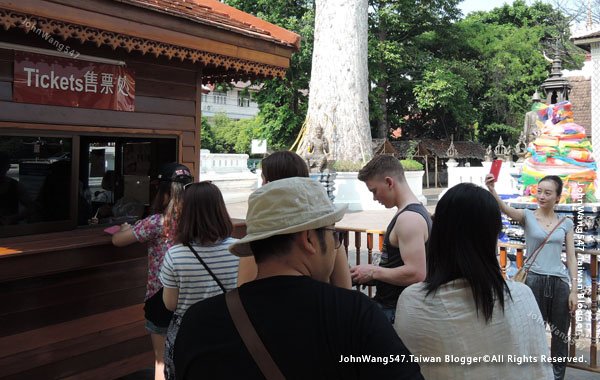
(286,206)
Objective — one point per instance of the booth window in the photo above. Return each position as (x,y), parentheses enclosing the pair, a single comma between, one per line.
(35,181)
(118,173)
(43,189)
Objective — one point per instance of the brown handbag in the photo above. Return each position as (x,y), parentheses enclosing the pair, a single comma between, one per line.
(521,275)
(250,337)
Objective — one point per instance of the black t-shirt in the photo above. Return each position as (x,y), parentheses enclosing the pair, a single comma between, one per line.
(387,294)
(306,326)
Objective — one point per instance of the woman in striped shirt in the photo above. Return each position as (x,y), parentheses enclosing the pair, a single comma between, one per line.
(200,266)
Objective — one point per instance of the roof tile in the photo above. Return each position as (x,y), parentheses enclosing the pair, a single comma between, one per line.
(216,14)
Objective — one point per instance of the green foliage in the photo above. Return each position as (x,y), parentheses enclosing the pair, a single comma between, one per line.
(412,149)
(492,132)
(400,46)
(432,71)
(411,165)
(347,166)
(207,137)
(443,95)
(437,77)
(283,103)
(225,135)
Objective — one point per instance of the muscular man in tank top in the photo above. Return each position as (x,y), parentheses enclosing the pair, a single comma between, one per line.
(403,255)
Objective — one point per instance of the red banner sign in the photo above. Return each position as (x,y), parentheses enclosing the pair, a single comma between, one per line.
(44,79)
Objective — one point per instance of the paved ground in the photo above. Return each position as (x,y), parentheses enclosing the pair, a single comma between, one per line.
(374,220)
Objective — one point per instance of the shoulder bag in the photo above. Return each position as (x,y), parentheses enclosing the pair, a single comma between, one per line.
(250,337)
(206,267)
(521,275)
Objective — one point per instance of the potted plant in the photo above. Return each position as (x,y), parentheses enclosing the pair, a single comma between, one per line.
(349,190)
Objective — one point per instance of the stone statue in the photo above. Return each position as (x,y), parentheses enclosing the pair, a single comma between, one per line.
(509,153)
(521,148)
(530,127)
(488,154)
(317,153)
(500,149)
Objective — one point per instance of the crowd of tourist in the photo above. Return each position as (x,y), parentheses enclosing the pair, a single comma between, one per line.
(278,303)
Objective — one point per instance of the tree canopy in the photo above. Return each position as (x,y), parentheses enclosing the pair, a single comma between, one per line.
(433,72)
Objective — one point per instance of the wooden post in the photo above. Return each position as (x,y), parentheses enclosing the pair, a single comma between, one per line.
(519,258)
(594,308)
(346,241)
(503,261)
(370,256)
(357,241)
(436,172)
(427,170)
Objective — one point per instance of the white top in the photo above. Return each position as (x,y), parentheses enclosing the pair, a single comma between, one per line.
(447,324)
(181,269)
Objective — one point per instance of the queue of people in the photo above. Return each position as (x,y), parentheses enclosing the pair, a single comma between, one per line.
(278,303)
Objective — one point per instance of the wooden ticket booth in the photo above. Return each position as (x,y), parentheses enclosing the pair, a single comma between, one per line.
(94,97)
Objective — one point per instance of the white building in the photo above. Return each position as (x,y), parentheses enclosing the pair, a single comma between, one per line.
(236,103)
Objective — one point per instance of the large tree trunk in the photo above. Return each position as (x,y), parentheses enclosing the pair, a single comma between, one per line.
(338,97)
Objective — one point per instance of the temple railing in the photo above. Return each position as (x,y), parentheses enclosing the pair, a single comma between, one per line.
(362,245)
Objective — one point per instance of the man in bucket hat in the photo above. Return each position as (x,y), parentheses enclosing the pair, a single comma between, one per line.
(310,329)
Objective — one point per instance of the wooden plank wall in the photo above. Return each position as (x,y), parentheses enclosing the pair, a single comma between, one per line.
(166,101)
(77,312)
(77,317)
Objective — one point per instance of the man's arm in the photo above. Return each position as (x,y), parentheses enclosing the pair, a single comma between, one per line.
(410,234)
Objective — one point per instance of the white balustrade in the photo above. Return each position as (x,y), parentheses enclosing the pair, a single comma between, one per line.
(507,183)
(229,172)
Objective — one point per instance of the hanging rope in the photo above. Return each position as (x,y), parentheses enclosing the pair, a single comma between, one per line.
(301,135)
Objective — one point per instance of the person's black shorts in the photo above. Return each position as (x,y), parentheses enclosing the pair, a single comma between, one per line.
(157,315)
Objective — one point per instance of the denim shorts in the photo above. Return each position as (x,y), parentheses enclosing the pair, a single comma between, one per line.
(153,329)
(157,315)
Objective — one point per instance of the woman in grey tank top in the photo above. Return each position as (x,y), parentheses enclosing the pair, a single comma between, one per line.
(548,278)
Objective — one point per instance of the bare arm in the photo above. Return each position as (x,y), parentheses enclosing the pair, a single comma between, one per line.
(124,237)
(170,298)
(341,272)
(572,266)
(513,213)
(247,270)
(411,234)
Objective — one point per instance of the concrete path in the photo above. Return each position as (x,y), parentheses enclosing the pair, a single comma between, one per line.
(372,220)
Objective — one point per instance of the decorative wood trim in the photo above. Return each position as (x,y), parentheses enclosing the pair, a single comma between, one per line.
(84,129)
(234,68)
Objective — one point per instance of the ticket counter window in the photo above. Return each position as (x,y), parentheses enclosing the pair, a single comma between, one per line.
(43,189)
(35,181)
(118,172)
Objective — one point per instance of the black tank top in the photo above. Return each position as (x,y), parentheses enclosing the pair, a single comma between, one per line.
(387,294)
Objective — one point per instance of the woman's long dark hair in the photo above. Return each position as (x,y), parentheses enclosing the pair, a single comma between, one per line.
(463,244)
(204,217)
(171,208)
